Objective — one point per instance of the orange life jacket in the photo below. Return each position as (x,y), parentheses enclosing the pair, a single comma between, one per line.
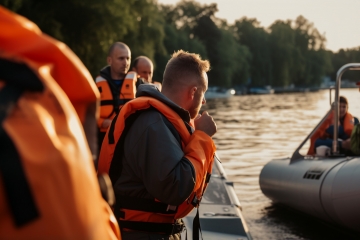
(112,98)
(48,184)
(348,126)
(109,156)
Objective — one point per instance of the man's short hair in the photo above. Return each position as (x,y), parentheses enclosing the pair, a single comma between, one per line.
(136,61)
(117,44)
(184,64)
(343,100)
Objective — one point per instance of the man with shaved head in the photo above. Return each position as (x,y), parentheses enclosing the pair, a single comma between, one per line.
(145,69)
(116,85)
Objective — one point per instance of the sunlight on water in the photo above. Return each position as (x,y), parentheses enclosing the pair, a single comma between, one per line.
(253,130)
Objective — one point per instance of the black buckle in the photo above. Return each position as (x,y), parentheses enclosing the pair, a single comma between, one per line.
(145,205)
(195,202)
(207,179)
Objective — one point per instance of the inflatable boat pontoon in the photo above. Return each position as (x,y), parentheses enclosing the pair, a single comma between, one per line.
(325,187)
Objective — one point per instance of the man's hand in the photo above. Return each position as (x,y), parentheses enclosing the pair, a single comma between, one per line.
(205,123)
(106,123)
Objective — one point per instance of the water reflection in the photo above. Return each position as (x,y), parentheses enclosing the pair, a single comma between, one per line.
(255,129)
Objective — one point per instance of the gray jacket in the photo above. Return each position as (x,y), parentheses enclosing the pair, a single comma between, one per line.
(154,165)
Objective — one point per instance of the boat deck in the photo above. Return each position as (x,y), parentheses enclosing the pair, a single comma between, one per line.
(219,211)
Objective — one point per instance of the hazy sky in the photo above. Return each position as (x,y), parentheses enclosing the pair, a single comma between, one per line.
(339,20)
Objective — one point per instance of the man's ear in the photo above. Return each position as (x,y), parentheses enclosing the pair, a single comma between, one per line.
(108,60)
(192,92)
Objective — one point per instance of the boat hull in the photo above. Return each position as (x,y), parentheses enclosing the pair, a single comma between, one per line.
(219,211)
(327,188)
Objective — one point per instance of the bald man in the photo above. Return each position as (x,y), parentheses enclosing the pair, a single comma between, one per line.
(116,85)
(145,69)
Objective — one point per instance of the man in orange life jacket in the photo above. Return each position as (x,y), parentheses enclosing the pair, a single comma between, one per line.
(144,67)
(159,165)
(346,125)
(116,85)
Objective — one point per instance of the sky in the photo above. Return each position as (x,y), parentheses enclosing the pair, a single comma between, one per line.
(338,20)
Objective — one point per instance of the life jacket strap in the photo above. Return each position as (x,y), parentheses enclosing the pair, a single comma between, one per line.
(208,176)
(17,189)
(196,226)
(165,228)
(116,102)
(142,204)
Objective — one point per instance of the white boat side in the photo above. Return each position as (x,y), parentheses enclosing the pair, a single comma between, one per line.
(220,210)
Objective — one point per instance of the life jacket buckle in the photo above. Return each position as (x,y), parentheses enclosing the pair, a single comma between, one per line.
(208,176)
(171,208)
(195,202)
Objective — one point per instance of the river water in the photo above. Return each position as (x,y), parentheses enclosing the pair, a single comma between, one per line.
(252,130)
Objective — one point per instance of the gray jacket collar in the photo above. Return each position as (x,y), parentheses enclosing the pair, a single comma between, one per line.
(150,90)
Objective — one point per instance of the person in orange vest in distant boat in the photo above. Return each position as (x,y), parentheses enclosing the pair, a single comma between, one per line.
(116,85)
(346,125)
(145,69)
(158,163)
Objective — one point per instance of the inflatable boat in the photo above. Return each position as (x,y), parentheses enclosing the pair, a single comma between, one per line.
(326,187)
(219,211)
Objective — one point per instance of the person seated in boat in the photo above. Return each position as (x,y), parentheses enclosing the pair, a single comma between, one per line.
(345,126)
(144,67)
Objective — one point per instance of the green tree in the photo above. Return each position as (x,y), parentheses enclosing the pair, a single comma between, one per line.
(224,53)
(311,60)
(342,57)
(90,27)
(249,33)
(175,38)
(234,60)
(289,52)
(282,41)
(208,33)
(147,34)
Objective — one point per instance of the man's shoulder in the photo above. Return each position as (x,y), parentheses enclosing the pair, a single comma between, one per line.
(149,116)
(145,120)
(154,122)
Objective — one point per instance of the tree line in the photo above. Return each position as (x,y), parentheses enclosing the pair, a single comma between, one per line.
(288,53)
